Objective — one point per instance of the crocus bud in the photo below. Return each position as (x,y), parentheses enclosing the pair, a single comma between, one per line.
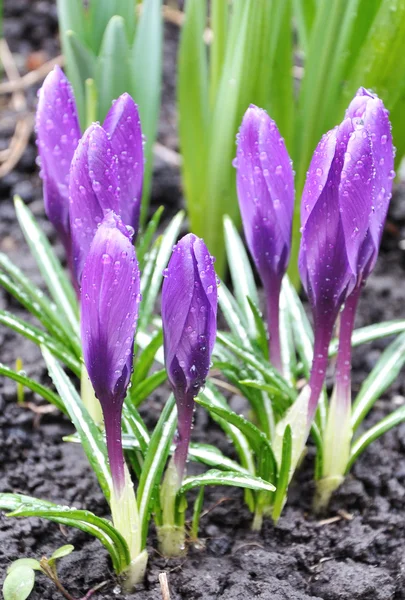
(265,184)
(58,133)
(189,316)
(123,125)
(94,190)
(343,208)
(109,312)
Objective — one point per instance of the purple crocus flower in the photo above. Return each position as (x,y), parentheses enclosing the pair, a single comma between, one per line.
(109,312)
(343,210)
(265,183)
(58,132)
(189,315)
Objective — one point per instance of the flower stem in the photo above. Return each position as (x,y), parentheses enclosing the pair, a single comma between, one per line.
(338,432)
(171,534)
(273,324)
(185,410)
(113,433)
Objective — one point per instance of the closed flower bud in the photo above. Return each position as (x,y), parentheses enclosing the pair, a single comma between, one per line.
(58,132)
(189,315)
(265,184)
(109,312)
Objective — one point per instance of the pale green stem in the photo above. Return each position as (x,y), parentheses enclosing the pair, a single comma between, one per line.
(90,401)
(125,515)
(171,535)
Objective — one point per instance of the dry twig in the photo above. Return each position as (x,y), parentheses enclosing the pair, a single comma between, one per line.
(164,586)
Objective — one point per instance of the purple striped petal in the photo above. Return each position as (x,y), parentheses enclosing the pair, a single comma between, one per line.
(189,316)
(58,133)
(265,183)
(94,190)
(109,312)
(124,127)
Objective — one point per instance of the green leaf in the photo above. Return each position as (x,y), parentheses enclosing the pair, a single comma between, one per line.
(242,276)
(219,26)
(194,114)
(211,456)
(39,389)
(233,316)
(364,335)
(303,334)
(288,350)
(37,303)
(214,477)
(261,338)
(19,505)
(146,387)
(145,82)
(91,438)
(381,377)
(62,552)
(362,442)
(145,359)
(257,439)
(19,583)
(154,463)
(278,397)
(38,336)
(144,244)
(284,475)
(304,13)
(55,278)
(166,243)
(100,14)
(25,562)
(112,74)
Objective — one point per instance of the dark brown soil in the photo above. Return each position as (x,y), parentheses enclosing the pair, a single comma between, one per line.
(358,556)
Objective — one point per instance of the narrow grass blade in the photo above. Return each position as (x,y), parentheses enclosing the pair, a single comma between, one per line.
(149,295)
(32,385)
(144,244)
(18,505)
(140,392)
(364,335)
(55,278)
(233,316)
(381,377)
(154,464)
(39,337)
(214,477)
(284,475)
(145,82)
(362,442)
(91,438)
(145,359)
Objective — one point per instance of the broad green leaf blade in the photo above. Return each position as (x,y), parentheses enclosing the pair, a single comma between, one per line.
(147,386)
(277,396)
(149,295)
(381,377)
(26,562)
(100,13)
(304,13)
(38,336)
(284,475)
(211,456)
(39,389)
(395,418)
(364,335)
(144,244)
(55,278)
(62,551)
(154,463)
(219,26)
(145,82)
(19,583)
(91,438)
(214,477)
(112,74)
(19,505)
(242,276)
(193,105)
